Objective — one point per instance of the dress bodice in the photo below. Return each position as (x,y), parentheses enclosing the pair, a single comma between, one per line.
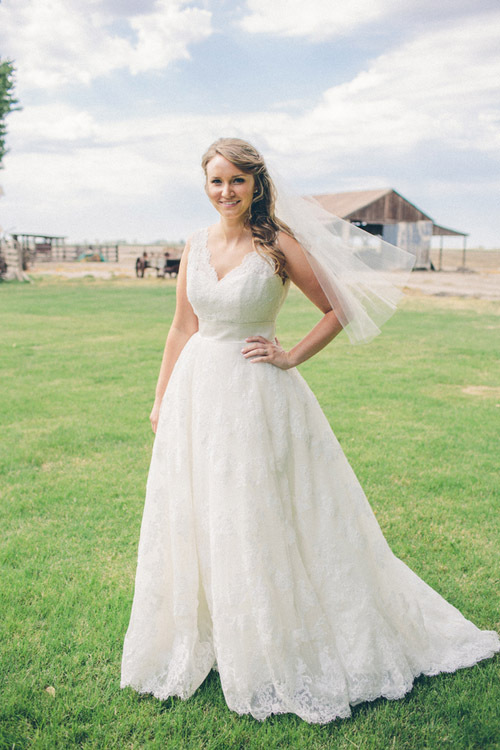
(244,302)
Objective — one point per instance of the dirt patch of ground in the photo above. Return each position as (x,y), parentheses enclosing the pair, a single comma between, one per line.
(481,390)
(480,284)
(79,270)
(483,284)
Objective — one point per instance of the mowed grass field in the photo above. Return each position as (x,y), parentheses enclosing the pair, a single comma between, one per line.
(417,412)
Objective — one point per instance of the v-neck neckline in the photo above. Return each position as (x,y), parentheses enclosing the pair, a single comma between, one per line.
(220,279)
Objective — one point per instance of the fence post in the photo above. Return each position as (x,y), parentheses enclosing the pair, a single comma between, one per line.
(464,251)
(20,273)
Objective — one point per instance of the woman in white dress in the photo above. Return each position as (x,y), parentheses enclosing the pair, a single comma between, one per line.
(259,554)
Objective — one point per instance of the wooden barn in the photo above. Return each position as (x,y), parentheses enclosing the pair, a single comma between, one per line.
(387,214)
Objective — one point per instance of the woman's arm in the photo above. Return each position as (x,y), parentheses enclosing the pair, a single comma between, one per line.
(302,275)
(184,324)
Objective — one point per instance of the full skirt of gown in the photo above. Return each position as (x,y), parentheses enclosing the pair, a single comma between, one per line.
(259,554)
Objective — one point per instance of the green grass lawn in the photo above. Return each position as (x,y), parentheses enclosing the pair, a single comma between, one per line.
(417,412)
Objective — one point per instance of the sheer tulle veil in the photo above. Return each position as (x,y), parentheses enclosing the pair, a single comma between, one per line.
(361,274)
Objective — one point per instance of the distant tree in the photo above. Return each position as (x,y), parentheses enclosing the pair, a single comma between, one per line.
(7,101)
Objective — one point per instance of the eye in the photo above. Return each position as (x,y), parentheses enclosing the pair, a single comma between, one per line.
(239,179)
(215,179)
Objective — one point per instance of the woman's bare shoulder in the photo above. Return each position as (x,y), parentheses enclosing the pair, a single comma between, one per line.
(289,246)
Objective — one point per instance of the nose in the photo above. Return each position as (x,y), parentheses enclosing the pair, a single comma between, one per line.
(227,190)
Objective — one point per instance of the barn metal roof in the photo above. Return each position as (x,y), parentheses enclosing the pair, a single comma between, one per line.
(383,205)
(344,204)
(437,230)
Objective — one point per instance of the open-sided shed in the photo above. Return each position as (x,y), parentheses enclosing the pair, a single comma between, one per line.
(386,213)
(40,246)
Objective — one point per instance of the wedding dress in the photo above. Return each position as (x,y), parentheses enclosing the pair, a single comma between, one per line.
(259,554)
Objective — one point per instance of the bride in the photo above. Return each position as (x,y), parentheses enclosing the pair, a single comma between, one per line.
(259,555)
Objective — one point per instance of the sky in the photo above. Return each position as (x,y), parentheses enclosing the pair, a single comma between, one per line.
(120,98)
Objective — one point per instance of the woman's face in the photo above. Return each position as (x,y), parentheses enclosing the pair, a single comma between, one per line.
(229,189)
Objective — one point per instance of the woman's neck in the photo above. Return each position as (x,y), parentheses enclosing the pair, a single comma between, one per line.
(232,230)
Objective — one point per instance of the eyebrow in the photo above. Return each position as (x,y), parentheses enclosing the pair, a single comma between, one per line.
(241,174)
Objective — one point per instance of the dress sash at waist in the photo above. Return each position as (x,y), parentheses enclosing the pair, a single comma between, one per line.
(223,330)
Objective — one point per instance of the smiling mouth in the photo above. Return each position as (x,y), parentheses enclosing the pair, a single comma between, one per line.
(228,203)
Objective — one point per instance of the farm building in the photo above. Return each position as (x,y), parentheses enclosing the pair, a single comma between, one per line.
(387,214)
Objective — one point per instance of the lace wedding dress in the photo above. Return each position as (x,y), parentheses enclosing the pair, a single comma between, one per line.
(259,554)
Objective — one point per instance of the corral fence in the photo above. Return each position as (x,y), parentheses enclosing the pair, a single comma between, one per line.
(38,248)
(18,252)
(92,252)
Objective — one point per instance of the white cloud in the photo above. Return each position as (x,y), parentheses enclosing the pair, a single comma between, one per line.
(56,42)
(315,19)
(442,86)
(318,20)
(50,127)
(165,34)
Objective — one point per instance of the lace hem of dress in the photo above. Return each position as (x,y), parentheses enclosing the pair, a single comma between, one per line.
(324,700)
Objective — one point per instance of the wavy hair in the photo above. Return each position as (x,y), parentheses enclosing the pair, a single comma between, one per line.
(261,218)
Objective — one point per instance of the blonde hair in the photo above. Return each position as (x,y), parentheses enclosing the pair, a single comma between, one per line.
(261,219)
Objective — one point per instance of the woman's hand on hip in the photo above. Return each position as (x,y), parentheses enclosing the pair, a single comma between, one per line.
(260,349)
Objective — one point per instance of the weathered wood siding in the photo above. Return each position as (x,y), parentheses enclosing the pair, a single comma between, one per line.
(389,209)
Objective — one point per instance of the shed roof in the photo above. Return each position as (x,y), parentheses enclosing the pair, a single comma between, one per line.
(380,206)
(436,229)
(344,204)
(384,206)
(39,236)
